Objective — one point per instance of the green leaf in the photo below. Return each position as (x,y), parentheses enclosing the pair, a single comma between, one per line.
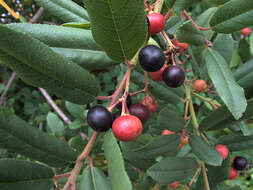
(48,70)
(82,25)
(179,5)
(160,145)
(75,110)
(237,142)
(55,125)
(229,91)
(172,24)
(77,143)
(216,2)
(176,121)
(190,34)
(159,90)
(94,179)
(173,169)
(66,10)
(76,124)
(24,175)
(116,169)
(224,44)
(75,44)
(244,50)
(204,151)
(244,74)
(17,136)
(222,118)
(119,26)
(215,174)
(233,16)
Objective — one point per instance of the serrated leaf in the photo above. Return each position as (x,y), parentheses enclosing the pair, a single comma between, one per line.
(67,10)
(17,136)
(233,16)
(229,91)
(204,151)
(173,169)
(55,124)
(94,179)
(48,70)
(119,26)
(244,50)
(190,34)
(244,74)
(116,169)
(224,44)
(222,118)
(19,174)
(176,121)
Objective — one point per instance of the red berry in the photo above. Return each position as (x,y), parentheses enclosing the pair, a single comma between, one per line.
(127,128)
(200,85)
(150,103)
(233,173)
(222,150)
(183,46)
(175,184)
(245,31)
(156,23)
(167,132)
(158,75)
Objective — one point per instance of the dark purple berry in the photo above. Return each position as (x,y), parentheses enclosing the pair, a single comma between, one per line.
(151,58)
(128,102)
(116,115)
(240,163)
(173,76)
(99,118)
(140,111)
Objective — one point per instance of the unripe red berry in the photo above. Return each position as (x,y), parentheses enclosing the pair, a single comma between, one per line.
(233,173)
(158,75)
(175,184)
(127,128)
(167,132)
(245,31)
(156,23)
(199,85)
(183,46)
(150,103)
(222,149)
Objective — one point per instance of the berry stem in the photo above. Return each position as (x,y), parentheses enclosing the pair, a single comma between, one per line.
(16,16)
(62,175)
(214,105)
(205,178)
(193,178)
(167,40)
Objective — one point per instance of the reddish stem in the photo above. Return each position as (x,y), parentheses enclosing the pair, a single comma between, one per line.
(62,175)
(103,97)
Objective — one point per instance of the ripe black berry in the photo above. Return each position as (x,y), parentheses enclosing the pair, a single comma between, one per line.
(140,111)
(116,115)
(99,118)
(151,58)
(173,76)
(128,102)
(240,163)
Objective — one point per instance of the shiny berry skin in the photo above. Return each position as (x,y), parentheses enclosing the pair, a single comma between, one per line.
(151,104)
(156,23)
(245,31)
(173,76)
(167,132)
(175,184)
(222,150)
(158,75)
(140,111)
(200,85)
(128,102)
(99,118)
(151,58)
(116,115)
(240,163)
(182,46)
(233,173)
(127,128)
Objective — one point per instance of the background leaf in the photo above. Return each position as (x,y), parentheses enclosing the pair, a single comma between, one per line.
(244,74)
(17,136)
(229,91)
(55,125)
(244,50)
(118,26)
(224,44)
(24,175)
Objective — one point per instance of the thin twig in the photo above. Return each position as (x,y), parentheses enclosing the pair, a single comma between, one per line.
(7,87)
(37,15)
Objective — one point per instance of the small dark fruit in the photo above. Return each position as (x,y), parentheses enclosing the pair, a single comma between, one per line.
(128,102)
(173,76)
(99,118)
(116,115)
(156,23)
(151,58)
(140,111)
(240,163)
(127,128)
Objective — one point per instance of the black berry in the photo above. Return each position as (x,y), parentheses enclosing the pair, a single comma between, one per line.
(140,111)
(173,76)
(128,102)
(116,115)
(240,163)
(151,58)
(99,118)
